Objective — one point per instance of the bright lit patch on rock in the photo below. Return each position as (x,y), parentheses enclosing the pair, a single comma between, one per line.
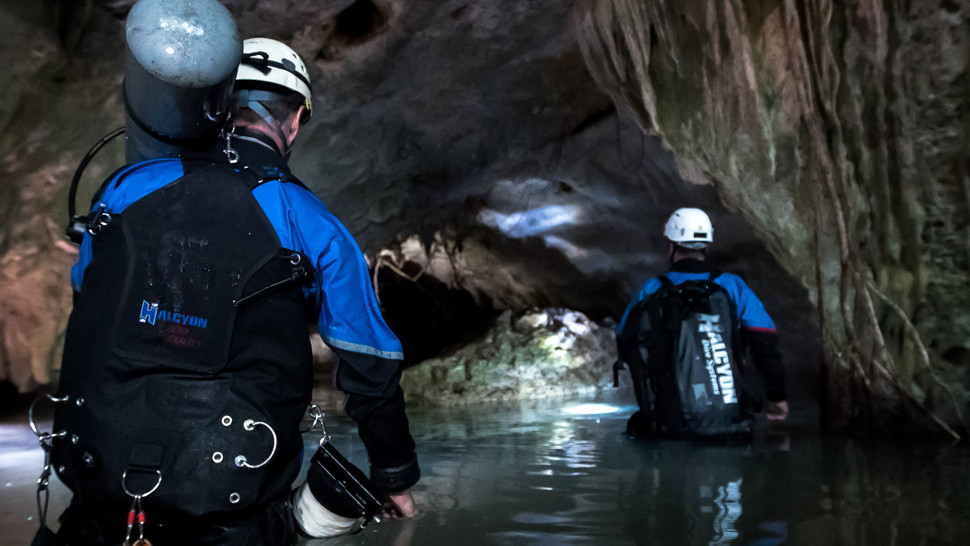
(530,222)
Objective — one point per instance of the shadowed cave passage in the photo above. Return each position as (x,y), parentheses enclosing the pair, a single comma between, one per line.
(429,317)
(359,21)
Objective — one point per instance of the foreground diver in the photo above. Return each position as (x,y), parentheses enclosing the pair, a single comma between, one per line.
(187,365)
(683,337)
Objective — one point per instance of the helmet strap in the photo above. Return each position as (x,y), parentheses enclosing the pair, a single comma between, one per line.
(272,123)
(261,140)
(260,61)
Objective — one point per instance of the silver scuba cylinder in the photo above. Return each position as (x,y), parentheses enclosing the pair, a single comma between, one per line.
(180,66)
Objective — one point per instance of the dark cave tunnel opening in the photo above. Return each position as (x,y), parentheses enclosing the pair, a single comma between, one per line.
(429,317)
(359,21)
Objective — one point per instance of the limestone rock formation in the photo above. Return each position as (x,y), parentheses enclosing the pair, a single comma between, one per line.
(537,353)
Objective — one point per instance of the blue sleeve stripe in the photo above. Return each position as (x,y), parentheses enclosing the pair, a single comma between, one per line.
(363,349)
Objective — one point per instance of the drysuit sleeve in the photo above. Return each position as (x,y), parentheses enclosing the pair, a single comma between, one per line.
(627,329)
(350,322)
(760,336)
(763,347)
(376,402)
(626,342)
(646,290)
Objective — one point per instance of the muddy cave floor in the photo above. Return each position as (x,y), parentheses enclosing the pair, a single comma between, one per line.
(562,472)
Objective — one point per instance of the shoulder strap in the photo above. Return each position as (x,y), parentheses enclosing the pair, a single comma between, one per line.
(251,177)
(715,273)
(286,179)
(667,283)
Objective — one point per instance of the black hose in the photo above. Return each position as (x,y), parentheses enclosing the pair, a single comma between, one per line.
(72,195)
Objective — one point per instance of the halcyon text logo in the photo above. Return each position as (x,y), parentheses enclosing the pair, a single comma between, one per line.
(150,313)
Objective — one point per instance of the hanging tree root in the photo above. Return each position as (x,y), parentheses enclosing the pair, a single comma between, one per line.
(386,258)
(924,353)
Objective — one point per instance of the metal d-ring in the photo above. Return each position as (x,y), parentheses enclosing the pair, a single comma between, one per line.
(124,485)
(251,425)
(99,220)
(45,436)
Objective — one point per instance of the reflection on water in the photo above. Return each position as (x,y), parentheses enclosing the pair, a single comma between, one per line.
(554,473)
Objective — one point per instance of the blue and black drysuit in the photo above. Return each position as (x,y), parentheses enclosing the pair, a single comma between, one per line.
(757,329)
(190,317)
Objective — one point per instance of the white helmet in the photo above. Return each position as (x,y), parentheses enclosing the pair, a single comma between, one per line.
(689,228)
(271,62)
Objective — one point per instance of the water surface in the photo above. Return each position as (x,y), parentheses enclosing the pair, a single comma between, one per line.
(550,472)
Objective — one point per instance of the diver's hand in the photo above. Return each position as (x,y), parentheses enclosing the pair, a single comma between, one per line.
(776,411)
(399,505)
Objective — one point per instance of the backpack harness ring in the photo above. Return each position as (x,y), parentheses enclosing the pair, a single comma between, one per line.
(250,425)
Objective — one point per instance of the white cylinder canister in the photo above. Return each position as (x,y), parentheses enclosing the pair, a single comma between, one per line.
(315,520)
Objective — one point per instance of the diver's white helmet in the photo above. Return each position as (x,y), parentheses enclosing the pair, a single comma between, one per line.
(689,228)
(270,62)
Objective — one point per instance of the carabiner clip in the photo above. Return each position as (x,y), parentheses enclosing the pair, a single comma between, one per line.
(319,418)
(231,154)
(45,437)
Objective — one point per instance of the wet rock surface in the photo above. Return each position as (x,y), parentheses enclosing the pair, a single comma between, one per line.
(540,353)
